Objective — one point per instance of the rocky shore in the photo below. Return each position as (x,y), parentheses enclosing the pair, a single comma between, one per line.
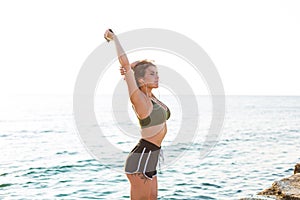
(285,189)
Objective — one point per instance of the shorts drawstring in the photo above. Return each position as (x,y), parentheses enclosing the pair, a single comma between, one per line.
(161,159)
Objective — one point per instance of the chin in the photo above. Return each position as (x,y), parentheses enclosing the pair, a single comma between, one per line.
(154,85)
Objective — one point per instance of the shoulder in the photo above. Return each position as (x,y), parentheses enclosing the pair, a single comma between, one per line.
(141,104)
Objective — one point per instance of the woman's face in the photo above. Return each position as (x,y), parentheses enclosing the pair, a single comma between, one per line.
(151,77)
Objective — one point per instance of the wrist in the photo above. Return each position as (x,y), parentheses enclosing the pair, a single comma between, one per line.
(129,72)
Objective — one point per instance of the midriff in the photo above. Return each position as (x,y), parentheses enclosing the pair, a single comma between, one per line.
(155,134)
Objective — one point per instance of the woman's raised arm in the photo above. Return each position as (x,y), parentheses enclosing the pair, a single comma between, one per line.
(141,103)
(109,35)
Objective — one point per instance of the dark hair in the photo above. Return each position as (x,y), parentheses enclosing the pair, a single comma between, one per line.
(140,69)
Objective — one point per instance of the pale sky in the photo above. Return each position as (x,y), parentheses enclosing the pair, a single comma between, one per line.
(255,45)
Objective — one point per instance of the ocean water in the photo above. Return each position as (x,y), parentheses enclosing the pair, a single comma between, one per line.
(43,157)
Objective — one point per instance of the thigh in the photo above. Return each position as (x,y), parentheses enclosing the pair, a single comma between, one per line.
(140,186)
(153,192)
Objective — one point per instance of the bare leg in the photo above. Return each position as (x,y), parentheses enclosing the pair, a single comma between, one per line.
(140,186)
(153,192)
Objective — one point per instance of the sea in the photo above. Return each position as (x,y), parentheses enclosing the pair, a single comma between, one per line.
(45,156)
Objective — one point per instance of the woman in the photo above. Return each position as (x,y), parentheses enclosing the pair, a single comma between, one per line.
(140,167)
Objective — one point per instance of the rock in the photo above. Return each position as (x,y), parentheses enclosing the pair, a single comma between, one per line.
(297,168)
(259,197)
(287,188)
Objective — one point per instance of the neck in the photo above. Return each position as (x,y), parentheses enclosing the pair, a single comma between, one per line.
(147,91)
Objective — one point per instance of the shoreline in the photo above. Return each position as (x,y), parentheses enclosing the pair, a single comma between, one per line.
(284,189)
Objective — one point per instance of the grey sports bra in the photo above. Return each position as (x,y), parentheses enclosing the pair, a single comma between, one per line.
(159,115)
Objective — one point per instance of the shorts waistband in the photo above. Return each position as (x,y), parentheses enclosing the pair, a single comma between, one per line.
(149,145)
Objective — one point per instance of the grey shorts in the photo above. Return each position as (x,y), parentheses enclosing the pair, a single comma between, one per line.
(143,159)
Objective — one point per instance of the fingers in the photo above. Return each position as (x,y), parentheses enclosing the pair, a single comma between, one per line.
(108,35)
(122,70)
(105,37)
